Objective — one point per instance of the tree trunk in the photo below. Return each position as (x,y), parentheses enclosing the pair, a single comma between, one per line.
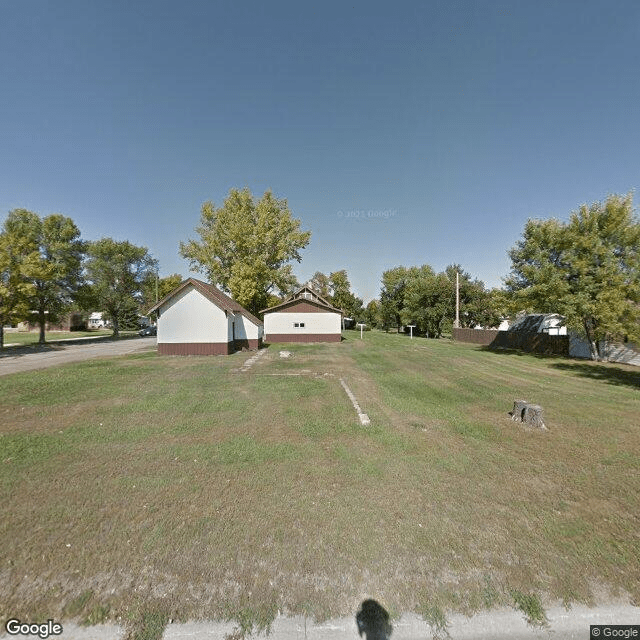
(593,345)
(530,414)
(42,319)
(1,334)
(518,410)
(116,326)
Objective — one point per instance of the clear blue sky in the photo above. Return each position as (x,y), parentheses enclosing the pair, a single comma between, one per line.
(400,132)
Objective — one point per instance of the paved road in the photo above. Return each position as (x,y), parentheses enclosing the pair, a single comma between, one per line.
(60,353)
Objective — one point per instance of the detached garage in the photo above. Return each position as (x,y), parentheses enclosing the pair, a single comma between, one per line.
(305,317)
(196,318)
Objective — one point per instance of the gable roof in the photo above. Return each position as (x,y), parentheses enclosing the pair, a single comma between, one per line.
(213,294)
(536,322)
(317,300)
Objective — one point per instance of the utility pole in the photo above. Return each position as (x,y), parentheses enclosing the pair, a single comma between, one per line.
(456,324)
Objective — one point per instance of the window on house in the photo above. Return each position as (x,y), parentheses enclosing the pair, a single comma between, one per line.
(298,325)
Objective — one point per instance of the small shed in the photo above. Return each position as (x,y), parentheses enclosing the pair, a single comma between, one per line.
(196,318)
(305,317)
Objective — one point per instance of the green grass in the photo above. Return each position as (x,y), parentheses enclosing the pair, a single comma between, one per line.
(31,337)
(149,487)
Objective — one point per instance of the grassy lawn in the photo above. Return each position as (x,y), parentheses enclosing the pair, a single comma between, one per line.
(150,487)
(25,338)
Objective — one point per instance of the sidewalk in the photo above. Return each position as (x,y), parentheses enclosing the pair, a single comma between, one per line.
(502,624)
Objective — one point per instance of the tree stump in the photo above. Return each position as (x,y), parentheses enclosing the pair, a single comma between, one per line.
(530,414)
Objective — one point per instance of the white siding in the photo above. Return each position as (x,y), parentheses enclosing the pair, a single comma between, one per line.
(283,323)
(247,330)
(190,317)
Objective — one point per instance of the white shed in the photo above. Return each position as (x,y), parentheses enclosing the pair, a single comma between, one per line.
(196,318)
(305,317)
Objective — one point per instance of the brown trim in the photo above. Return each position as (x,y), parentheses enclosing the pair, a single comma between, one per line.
(247,344)
(303,306)
(195,348)
(303,337)
(320,304)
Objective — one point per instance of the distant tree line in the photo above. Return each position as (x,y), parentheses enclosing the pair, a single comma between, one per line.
(587,269)
(47,270)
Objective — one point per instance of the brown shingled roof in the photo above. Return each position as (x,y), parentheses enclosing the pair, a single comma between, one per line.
(321,302)
(212,294)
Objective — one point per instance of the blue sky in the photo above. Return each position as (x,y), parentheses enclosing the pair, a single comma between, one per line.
(399,132)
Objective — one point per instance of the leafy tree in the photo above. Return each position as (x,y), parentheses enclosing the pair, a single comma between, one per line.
(372,314)
(18,257)
(56,271)
(587,269)
(321,284)
(342,297)
(155,288)
(428,301)
(392,297)
(117,272)
(245,246)
(476,303)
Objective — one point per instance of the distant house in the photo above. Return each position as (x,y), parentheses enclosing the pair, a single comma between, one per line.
(553,324)
(305,317)
(196,318)
(97,321)
(549,323)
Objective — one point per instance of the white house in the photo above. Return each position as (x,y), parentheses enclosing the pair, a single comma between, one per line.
(305,317)
(554,324)
(196,318)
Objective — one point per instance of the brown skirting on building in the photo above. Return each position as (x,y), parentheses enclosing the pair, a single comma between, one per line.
(206,348)
(303,337)
(195,348)
(247,344)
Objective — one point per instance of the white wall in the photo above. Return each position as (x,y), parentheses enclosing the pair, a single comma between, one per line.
(322,323)
(247,330)
(190,317)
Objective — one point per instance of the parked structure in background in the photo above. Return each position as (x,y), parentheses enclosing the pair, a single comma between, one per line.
(196,318)
(97,320)
(305,317)
(74,321)
(546,333)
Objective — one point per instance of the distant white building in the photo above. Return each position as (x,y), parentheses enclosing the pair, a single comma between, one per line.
(550,323)
(96,320)
(554,325)
(305,317)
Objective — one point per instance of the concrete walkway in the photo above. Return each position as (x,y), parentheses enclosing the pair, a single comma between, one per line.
(503,624)
(59,353)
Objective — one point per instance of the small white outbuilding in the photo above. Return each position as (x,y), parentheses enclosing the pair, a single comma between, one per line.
(305,317)
(196,318)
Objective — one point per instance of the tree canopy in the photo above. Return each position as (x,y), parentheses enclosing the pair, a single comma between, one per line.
(245,247)
(117,272)
(587,269)
(419,296)
(18,257)
(51,264)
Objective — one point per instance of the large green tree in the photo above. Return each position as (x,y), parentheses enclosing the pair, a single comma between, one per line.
(245,246)
(19,256)
(394,282)
(342,297)
(587,269)
(117,272)
(477,304)
(429,301)
(55,271)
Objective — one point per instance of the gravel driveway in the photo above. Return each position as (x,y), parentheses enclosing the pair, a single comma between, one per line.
(53,355)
